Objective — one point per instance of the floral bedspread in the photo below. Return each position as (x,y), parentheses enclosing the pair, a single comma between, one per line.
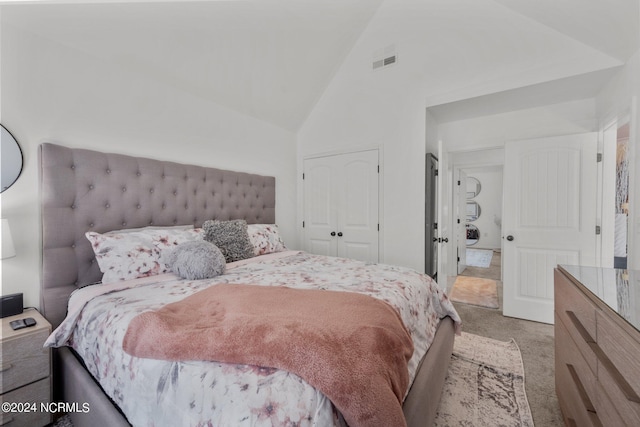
(197,393)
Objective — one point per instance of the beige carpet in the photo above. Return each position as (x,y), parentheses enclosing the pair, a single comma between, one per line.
(484,385)
(476,291)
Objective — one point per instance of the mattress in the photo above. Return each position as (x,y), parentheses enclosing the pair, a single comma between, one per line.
(155,392)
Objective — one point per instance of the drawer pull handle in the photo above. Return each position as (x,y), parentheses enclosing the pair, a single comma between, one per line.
(7,421)
(6,368)
(580,327)
(581,391)
(621,382)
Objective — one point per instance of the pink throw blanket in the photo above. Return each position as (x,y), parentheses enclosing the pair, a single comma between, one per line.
(352,347)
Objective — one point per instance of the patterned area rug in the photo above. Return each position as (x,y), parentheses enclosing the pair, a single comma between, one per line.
(475,291)
(485,385)
(479,257)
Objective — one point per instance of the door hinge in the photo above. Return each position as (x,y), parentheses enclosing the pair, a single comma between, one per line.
(302,224)
(435,225)
(459,182)
(599,157)
(458,259)
(378,227)
(378,168)
(458,220)
(302,175)
(436,172)
(598,230)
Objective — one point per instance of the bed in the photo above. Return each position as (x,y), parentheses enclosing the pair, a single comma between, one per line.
(84,190)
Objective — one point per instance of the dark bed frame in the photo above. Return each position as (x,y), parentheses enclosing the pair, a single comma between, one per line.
(84,190)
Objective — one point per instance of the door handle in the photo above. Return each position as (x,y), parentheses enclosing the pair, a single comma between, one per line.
(333,233)
(339,233)
(445,239)
(510,238)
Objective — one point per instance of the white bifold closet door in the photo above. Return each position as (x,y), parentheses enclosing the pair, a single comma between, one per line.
(341,205)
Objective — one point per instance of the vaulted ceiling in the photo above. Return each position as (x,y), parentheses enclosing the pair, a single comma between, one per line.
(273,59)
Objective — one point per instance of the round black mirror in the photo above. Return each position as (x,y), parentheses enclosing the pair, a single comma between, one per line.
(11,159)
(473,234)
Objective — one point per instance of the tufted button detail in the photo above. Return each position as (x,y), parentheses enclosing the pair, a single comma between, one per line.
(73,246)
(124,223)
(164,206)
(73,206)
(151,191)
(124,189)
(91,225)
(107,206)
(150,222)
(108,171)
(175,193)
(175,221)
(138,173)
(138,206)
(162,176)
(73,167)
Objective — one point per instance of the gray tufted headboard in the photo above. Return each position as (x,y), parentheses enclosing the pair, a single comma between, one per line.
(84,190)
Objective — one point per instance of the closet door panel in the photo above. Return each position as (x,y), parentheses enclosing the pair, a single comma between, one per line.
(341,205)
(320,216)
(358,209)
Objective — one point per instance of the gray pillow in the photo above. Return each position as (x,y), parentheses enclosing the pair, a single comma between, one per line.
(196,260)
(231,237)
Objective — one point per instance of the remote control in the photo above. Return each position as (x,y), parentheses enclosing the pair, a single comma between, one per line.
(22,323)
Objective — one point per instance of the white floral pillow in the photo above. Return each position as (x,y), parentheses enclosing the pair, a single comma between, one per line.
(134,254)
(265,239)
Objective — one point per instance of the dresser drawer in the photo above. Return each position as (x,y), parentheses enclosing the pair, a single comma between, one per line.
(35,393)
(607,411)
(23,360)
(619,368)
(576,383)
(578,313)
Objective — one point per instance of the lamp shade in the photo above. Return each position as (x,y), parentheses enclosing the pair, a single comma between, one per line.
(7,249)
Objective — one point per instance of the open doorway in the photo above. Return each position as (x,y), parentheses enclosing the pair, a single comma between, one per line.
(477,211)
(480,221)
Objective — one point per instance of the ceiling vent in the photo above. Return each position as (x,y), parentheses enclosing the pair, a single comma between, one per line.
(385,57)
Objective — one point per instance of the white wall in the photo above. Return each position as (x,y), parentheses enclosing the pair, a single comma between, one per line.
(55,94)
(618,100)
(494,130)
(363,108)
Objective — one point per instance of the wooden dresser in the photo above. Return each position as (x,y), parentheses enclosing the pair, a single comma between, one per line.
(597,346)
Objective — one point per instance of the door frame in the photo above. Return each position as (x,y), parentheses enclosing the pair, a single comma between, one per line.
(358,149)
(455,166)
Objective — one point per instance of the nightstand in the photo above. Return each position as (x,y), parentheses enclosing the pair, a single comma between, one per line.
(25,372)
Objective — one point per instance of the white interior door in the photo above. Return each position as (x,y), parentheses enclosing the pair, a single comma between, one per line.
(341,205)
(357,212)
(549,218)
(461,222)
(444,182)
(319,207)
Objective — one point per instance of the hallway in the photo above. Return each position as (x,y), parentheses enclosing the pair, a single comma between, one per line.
(491,272)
